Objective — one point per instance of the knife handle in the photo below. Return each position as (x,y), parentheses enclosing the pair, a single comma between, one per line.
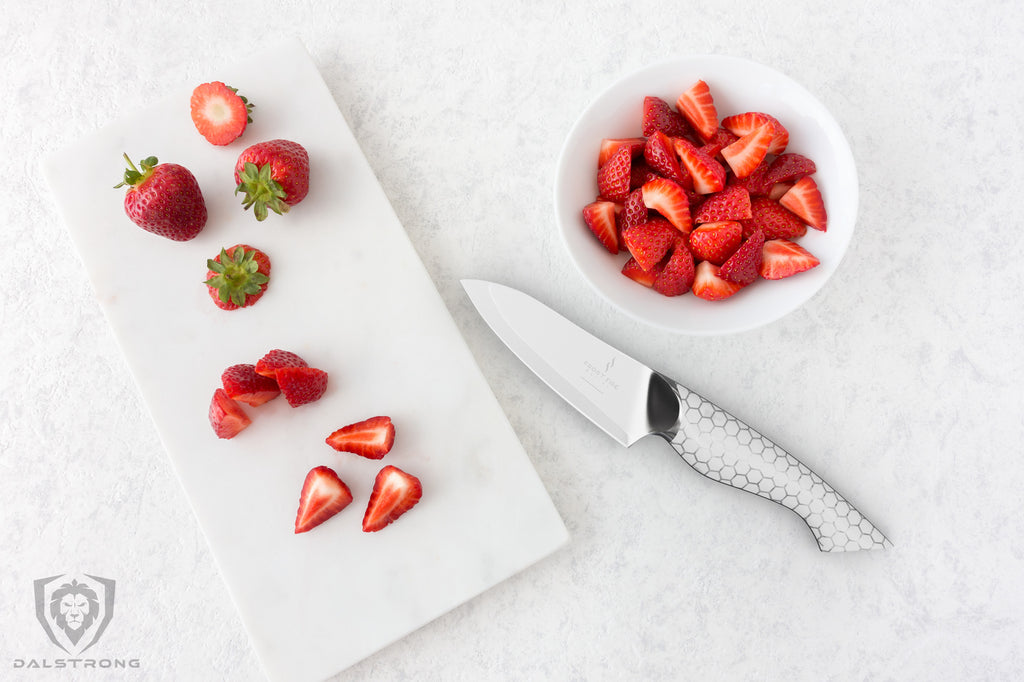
(723,448)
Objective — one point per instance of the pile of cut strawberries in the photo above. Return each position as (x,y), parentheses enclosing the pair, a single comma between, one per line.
(705,205)
(165,199)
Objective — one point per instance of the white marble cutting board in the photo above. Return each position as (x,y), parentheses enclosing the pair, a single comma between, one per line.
(349,294)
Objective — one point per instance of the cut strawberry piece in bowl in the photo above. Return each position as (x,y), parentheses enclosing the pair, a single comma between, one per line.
(708,175)
(732,203)
(227,417)
(276,359)
(611,145)
(670,200)
(323,495)
(773,220)
(788,168)
(782,258)
(634,211)
(636,273)
(650,241)
(718,141)
(613,177)
(743,266)
(746,154)
(301,385)
(804,200)
(698,107)
(371,438)
(676,277)
(715,242)
(242,383)
(708,285)
(599,216)
(660,154)
(394,493)
(746,123)
(659,116)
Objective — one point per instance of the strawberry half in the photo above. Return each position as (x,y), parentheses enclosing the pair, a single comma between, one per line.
(226,416)
(773,220)
(709,286)
(743,124)
(676,277)
(649,242)
(746,154)
(611,145)
(659,152)
(371,438)
(242,383)
(600,218)
(659,116)
(276,359)
(237,277)
(613,176)
(788,168)
(732,203)
(804,199)
(698,106)
(301,385)
(670,200)
(394,493)
(783,258)
(323,495)
(634,211)
(219,113)
(636,273)
(743,266)
(715,242)
(708,175)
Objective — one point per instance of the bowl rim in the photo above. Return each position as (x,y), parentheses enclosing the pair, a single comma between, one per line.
(822,117)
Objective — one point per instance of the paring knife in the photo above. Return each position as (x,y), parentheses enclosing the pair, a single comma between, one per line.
(628,400)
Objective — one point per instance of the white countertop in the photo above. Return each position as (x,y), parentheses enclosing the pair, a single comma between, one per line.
(900,383)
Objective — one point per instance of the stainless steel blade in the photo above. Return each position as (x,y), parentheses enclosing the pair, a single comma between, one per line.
(628,400)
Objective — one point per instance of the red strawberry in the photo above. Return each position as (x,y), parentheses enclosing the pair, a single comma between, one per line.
(394,493)
(636,273)
(742,267)
(669,199)
(743,124)
(227,417)
(634,211)
(676,277)
(648,243)
(773,220)
(242,383)
(778,189)
(371,438)
(641,174)
(782,258)
(611,145)
(709,286)
(732,203)
(163,198)
(323,495)
(237,277)
(275,359)
(720,139)
(746,154)
(659,116)
(698,106)
(788,168)
(600,218)
(708,175)
(301,385)
(804,199)
(219,113)
(715,242)
(273,175)
(613,176)
(753,183)
(659,152)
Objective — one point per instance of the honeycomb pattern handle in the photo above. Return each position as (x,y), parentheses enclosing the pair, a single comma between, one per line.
(721,447)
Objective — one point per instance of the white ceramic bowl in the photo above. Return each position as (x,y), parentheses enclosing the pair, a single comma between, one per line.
(737,85)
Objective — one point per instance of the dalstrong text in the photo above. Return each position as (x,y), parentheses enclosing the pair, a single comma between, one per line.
(76,663)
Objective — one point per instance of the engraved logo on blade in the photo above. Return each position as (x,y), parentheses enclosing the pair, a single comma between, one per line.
(597,378)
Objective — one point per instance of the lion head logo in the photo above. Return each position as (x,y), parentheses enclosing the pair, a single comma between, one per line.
(74,610)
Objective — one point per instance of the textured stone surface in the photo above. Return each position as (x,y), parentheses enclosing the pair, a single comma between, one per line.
(900,383)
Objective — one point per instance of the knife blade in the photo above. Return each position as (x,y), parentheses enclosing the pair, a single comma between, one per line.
(629,401)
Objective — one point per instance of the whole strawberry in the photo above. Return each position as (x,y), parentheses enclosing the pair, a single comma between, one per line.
(237,277)
(163,198)
(273,175)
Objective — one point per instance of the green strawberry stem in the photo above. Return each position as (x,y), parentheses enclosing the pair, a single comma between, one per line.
(133,177)
(262,192)
(236,276)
